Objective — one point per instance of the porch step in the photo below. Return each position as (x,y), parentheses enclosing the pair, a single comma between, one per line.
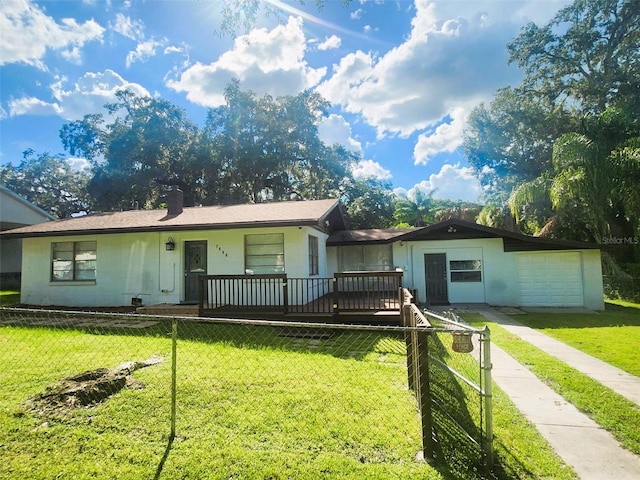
(169,309)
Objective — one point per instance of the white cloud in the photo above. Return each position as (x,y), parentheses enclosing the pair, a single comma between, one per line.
(335,129)
(174,49)
(32,106)
(32,33)
(452,182)
(263,61)
(144,50)
(125,26)
(447,137)
(356,14)
(370,169)
(454,57)
(88,95)
(78,163)
(330,43)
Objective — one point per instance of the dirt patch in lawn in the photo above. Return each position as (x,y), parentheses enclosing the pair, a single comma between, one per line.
(88,388)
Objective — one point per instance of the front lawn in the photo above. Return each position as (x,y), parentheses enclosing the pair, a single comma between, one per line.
(251,404)
(611,336)
(613,412)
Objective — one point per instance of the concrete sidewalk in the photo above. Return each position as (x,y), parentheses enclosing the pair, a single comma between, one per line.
(589,449)
(617,380)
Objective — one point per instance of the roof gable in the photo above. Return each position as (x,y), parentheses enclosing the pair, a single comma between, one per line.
(456,229)
(323,214)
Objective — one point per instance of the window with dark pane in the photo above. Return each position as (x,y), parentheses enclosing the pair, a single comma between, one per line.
(314,258)
(466,270)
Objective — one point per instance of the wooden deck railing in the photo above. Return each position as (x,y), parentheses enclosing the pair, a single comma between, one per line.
(276,293)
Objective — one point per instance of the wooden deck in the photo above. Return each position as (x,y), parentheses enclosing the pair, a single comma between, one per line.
(354,297)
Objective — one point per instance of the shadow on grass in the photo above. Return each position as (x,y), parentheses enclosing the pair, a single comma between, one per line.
(340,343)
(167,451)
(457,411)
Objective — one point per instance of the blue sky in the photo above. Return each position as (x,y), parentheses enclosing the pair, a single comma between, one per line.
(402,76)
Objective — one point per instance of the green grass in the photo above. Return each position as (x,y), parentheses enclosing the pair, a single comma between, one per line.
(251,404)
(610,410)
(611,335)
(623,303)
(9,297)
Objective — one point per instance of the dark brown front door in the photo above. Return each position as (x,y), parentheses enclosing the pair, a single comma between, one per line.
(435,271)
(195,265)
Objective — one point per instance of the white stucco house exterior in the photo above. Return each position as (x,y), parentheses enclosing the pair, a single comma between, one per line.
(461,262)
(15,212)
(157,255)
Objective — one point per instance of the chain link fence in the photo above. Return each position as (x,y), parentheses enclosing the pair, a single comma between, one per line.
(449,369)
(106,395)
(622,287)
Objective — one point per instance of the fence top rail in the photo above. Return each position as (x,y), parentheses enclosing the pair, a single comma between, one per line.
(381,273)
(448,321)
(213,320)
(259,276)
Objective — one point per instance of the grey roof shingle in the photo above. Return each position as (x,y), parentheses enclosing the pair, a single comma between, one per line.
(311,212)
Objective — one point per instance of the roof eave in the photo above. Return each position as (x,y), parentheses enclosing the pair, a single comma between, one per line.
(163,228)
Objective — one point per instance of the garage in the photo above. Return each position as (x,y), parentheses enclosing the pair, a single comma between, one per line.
(550,279)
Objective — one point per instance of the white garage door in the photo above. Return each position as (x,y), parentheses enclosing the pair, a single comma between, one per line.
(550,279)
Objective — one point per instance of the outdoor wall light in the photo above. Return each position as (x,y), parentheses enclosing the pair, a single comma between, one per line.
(170,245)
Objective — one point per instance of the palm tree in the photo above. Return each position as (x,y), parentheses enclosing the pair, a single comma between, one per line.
(594,180)
(416,212)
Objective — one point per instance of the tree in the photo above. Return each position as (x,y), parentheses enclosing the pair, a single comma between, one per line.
(149,144)
(594,179)
(368,203)
(559,146)
(49,182)
(587,56)
(417,211)
(511,140)
(268,149)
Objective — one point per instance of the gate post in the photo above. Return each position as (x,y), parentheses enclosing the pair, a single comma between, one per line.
(174,354)
(488,396)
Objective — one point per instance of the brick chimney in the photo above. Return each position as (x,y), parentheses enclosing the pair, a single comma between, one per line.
(175,201)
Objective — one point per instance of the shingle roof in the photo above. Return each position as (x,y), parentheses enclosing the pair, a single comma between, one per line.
(311,212)
(380,235)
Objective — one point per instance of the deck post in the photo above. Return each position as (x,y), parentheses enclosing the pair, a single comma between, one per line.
(424,399)
(409,341)
(336,297)
(201,289)
(285,294)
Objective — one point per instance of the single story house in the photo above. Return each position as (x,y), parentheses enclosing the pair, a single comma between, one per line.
(460,262)
(158,256)
(15,212)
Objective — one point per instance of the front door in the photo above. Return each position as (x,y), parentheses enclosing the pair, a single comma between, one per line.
(435,272)
(195,265)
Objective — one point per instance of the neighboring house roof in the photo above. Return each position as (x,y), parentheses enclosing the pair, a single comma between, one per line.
(456,229)
(322,214)
(16,211)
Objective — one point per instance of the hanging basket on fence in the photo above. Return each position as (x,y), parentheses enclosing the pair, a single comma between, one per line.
(462,342)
